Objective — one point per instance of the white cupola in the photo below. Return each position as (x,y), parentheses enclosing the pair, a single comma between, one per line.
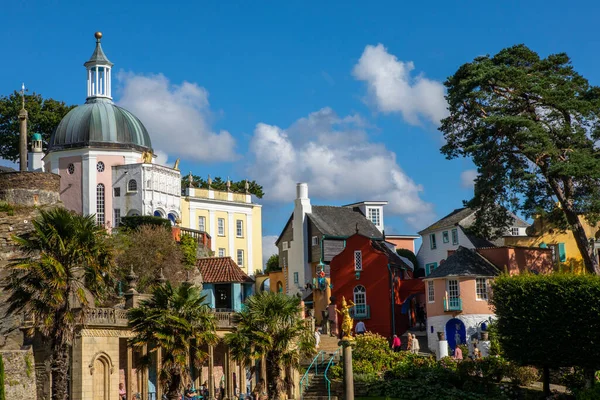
(98,73)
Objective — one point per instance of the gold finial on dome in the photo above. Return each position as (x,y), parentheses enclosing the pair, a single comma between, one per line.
(98,35)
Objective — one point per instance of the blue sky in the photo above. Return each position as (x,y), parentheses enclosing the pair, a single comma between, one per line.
(343,95)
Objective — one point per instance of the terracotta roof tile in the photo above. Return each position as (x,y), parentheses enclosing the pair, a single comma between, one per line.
(221,270)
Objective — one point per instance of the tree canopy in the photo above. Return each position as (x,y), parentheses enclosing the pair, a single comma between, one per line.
(548,321)
(219,184)
(530,125)
(44,115)
(273,264)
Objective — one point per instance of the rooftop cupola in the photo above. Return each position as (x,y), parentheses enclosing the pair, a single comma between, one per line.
(98,73)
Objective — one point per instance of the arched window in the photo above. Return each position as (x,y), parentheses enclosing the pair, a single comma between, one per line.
(132,185)
(100,204)
(360,301)
(279,287)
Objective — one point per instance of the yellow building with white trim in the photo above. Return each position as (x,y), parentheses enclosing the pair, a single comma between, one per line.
(232,220)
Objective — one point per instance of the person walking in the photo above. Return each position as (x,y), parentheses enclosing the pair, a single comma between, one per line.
(332,320)
(415,344)
(396,343)
(317,338)
(409,342)
(458,355)
(360,328)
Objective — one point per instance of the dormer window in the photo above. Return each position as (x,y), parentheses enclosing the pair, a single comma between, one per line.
(374,216)
(514,231)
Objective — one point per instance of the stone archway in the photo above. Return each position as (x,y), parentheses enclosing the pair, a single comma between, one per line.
(101,368)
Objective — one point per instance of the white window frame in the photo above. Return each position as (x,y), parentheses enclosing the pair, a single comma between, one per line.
(360,293)
(239,228)
(132,183)
(222,252)
(481,289)
(100,204)
(315,240)
(221,226)
(117,217)
(358,260)
(374,215)
(202,223)
(430,292)
(240,257)
(285,245)
(432,241)
(450,287)
(514,231)
(455,236)
(296,278)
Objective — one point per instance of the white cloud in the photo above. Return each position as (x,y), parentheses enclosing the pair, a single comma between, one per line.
(392,88)
(467,178)
(176,117)
(268,247)
(336,158)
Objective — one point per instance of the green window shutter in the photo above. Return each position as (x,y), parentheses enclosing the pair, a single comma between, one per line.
(562,253)
(427,271)
(543,246)
(434,265)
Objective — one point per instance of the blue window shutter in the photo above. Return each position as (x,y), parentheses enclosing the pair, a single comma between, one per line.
(562,253)
(543,246)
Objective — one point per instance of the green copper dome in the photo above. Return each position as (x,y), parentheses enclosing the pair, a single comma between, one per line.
(100,123)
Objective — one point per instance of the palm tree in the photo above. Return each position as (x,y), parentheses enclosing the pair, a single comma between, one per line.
(67,264)
(177,320)
(270,326)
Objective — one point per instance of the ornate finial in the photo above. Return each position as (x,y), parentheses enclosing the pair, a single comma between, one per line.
(247,187)
(228,184)
(23,90)
(190,180)
(131,279)
(98,36)
(161,278)
(176,166)
(209,182)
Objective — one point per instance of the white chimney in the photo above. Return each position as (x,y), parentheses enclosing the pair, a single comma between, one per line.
(298,251)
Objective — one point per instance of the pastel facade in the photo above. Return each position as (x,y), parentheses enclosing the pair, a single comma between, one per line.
(232,220)
(93,149)
(451,231)
(562,243)
(406,242)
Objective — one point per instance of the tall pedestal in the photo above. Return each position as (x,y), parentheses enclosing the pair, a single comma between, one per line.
(211,371)
(442,349)
(348,374)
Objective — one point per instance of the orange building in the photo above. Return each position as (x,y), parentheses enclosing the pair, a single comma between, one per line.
(403,241)
(457,292)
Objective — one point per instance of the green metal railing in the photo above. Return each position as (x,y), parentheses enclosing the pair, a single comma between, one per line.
(315,362)
(331,359)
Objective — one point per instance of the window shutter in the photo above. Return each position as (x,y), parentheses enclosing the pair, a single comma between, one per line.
(562,253)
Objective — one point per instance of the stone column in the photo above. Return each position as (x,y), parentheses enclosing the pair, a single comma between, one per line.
(144,388)
(348,374)
(158,368)
(23,138)
(241,379)
(211,366)
(228,371)
(129,374)
(442,349)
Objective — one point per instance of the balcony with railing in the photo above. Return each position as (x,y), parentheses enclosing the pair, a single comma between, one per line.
(360,311)
(452,304)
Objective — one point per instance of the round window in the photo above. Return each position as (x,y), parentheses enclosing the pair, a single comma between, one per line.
(71,169)
(100,166)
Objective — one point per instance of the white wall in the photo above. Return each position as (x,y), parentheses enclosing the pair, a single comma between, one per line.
(426,255)
(438,323)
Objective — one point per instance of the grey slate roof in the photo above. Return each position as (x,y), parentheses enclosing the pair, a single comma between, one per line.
(98,56)
(393,257)
(465,262)
(342,221)
(477,241)
(451,219)
(100,123)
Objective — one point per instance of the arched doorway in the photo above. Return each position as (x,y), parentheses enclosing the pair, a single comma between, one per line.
(279,287)
(456,332)
(266,285)
(101,368)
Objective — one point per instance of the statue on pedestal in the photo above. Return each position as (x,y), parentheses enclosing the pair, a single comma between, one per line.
(347,322)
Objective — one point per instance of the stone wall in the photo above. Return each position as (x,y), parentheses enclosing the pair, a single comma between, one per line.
(19,374)
(30,188)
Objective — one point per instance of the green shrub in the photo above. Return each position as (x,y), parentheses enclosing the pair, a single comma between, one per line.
(492,368)
(592,393)
(522,376)
(189,247)
(375,349)
(335,372)
(366,377)
(135,221)
(574,380)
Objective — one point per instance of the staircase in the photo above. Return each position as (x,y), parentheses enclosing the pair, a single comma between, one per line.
(317,390)
(317,384)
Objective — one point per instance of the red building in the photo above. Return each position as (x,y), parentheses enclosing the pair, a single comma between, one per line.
(378,281)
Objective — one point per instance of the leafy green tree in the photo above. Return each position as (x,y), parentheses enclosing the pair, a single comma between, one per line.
(177,320)
(530,125)
(219,184)
(44,115)
(549,321)
(273,264)
(270,326)
(410,255)
(68,264)
(189,249)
